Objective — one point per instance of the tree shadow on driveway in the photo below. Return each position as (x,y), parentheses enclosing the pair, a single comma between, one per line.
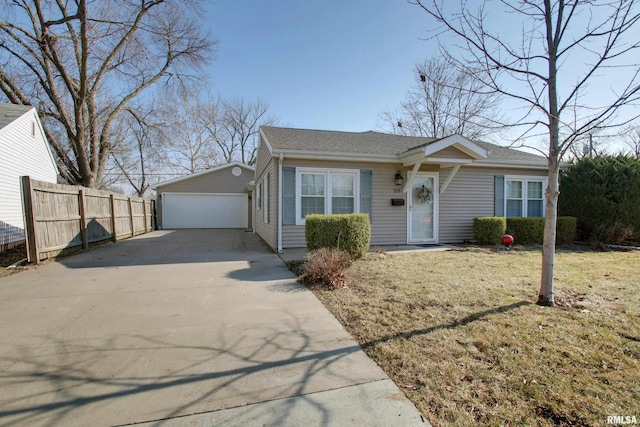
(128,378)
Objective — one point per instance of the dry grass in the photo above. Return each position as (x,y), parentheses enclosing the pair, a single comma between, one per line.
(459,333)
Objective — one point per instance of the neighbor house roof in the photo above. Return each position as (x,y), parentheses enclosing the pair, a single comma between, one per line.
(374,143)
(10,112)
(204,172)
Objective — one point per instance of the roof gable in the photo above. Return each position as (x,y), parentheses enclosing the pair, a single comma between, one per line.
(205,172)
(11,112)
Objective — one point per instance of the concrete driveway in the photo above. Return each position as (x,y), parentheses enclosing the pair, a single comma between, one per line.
(189,327)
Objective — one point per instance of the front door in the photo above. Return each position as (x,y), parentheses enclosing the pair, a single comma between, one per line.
(423,208)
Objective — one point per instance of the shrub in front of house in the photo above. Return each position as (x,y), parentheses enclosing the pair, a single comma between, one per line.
(326,267)
(488,230)
(566,230)
(526,231)
(603,192)
(349,232)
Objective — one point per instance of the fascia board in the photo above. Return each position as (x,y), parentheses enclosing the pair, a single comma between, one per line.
(510,164)
(266,141)
(330,155)
(461,143)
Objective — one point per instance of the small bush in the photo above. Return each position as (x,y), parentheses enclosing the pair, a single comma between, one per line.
(488,230)
(566,230)
(526,231)
(351,233)
(326,267)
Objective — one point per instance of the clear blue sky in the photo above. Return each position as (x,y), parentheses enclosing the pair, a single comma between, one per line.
(334,64)
(319,64)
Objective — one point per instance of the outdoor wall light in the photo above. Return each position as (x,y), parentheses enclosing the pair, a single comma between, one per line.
(399,179)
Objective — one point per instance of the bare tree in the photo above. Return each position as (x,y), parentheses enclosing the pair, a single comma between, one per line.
(443,101)
(529,70)
(186,134)
(137,158)
(633,141)
(82,63)
(236,134)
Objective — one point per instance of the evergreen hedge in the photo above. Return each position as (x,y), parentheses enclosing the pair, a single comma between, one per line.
(348,232)
(603,193)
(488,230)
(526,231)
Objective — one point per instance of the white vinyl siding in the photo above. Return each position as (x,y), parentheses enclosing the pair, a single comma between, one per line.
(524,197)
(23,151)
(321,191)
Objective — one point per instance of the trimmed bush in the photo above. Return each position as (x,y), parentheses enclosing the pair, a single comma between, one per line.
(488,230)
(350,232)
(526,231)
(326,267)
(566,230)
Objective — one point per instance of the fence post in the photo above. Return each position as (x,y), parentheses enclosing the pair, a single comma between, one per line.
(133,230)
(144,213)
(83,219)
(114,235)
(29,220)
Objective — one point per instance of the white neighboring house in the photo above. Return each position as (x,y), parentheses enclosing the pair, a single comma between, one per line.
(24,150)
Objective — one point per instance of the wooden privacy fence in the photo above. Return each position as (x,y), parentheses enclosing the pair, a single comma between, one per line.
(58,217)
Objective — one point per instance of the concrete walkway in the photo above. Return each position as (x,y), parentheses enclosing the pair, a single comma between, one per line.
(189,327)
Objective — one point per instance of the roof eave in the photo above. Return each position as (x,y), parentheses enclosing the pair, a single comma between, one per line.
(510,164)
(334,155)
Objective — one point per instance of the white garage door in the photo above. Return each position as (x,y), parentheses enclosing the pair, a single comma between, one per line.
(191,210)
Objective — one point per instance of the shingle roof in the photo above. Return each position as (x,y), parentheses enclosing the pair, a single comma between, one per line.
(373,143)
(10,112)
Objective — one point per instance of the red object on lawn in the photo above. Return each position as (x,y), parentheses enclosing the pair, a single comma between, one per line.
(507,240)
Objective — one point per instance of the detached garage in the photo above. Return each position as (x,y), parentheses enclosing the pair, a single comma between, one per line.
(215,198)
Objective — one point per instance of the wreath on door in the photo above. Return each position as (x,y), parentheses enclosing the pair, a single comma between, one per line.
(423,194)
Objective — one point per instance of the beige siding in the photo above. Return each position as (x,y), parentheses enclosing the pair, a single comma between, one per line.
(470,194)
(450,153)
(389,223)
(220,181)
(263,157)
(268,231)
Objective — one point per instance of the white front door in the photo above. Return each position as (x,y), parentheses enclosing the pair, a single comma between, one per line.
(423,208)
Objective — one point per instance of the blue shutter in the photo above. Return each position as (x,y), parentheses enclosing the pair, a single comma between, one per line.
(499,195)
(288,196)
(366,191)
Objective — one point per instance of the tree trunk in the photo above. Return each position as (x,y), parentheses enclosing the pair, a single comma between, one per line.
(545,296)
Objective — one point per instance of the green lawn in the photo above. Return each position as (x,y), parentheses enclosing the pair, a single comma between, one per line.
(459,332)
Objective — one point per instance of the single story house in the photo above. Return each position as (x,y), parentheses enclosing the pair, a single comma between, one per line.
(416,190)
(24,150)
(215,198)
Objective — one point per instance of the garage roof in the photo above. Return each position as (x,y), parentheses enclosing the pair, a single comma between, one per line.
(214,169)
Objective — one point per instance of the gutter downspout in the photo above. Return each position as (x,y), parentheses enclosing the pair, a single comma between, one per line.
(280,187)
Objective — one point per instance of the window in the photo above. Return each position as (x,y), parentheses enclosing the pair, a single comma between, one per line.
(524,197)
(326,191)
(267,197)
(259,196)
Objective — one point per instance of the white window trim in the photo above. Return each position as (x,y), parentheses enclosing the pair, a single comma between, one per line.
(525,190)
(259,196)
(327,172)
